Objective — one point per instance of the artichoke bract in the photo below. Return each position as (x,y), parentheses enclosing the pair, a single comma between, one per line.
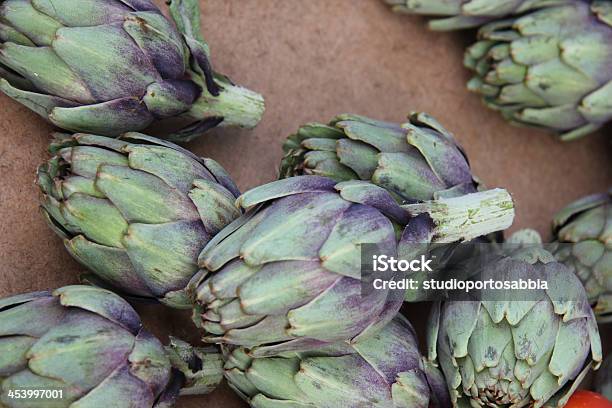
(136,211)
(81,346)
(548,69)
(460,14)
(418,160)
(584,232)
(384,370)
(500,350)
(115,66)
(286,275)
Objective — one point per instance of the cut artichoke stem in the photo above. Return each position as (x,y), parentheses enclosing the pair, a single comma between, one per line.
(202,367)
(469,216)
(237,106)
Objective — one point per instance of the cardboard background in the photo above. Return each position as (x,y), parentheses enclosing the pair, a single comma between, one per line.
(311,60)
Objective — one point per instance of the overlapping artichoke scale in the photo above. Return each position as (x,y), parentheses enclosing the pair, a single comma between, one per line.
(136,212)
(516,352)
(548,68)
(383,370)
(291,262)
(419,160)
(584,233)
(84,341)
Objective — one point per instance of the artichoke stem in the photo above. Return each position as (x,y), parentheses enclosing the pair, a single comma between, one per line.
(469,216)
(202,367)
(237,106)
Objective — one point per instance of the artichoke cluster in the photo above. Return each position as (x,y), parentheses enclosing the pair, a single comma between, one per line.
(276,278)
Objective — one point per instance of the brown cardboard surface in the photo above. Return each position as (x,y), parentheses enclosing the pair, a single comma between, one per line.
(311,60)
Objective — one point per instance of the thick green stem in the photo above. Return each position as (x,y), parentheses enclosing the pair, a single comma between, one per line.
(237,106)
(469,216)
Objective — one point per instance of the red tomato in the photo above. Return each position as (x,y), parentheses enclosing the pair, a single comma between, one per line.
(588,399)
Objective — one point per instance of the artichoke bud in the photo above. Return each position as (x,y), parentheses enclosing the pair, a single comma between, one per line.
(136,211)
(416,161)
(115,66)
(383,370)
(87,345)
(582,231)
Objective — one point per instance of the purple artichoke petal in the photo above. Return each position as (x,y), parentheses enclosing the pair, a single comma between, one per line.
(39,103)
(164,255)
(352,311)
(160,41)
(108,118)
(13,350)
(88,13)
(366,193)
(283,188)
(119,386)
(83,350)
(86,49)
(100,302)
(46,71)
(33,318)
(360,224)
(269,330)
(215,205)
(142,197)
(293,283)
(296,230)
(37,26)
(171,166)
(111,264)
(221,176)
(26,379)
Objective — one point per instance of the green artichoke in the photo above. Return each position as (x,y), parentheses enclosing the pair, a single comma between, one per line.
(81,346)
(286,276)
(382,371)
(114,66)
(603,381)
(548,69)
(460,14)
(517,351)
(583,231)
(419,160)
(136,210)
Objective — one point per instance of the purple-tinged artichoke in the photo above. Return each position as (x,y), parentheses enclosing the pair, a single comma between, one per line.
(114,66)
(531,349)
(460,14)
(418,160)
(583,231)
(136,211)
(81,346)
(381,371)
(286,276)
(548,69)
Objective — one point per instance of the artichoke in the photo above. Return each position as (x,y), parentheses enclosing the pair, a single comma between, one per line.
(286,276)
(460,14)
(384,370)
(136,210)
(419,160)
(603,381)
(583,231)
(114,66)
(81,346)
(511,351)
(549,68)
